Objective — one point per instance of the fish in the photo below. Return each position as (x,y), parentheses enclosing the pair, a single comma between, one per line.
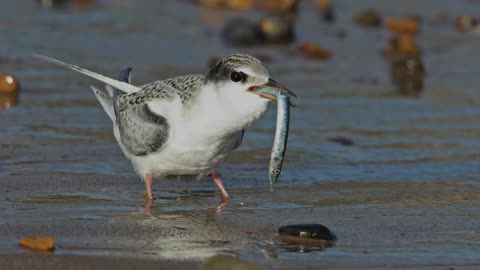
(281,130)
(281,138)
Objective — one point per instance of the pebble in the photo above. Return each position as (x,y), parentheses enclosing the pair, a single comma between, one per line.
(307,232)
(311,50)
(39,243)
(241,32)
(326,10)
(287,7)
(408,73)
(240,5)
(402,45)
(271,29)
(466,23)
(409,26)
(276,29)
(237,5)
(305,238)
(369,18)
(226,262)
(8,84)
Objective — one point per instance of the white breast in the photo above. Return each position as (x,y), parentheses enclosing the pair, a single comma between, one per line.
(203,134)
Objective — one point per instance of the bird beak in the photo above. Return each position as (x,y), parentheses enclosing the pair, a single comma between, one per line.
(271,90)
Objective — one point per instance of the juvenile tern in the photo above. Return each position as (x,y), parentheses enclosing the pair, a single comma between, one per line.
(186,125)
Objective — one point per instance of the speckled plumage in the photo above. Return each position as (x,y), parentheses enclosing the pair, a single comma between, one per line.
(186,125)
(183,87)
(142,131)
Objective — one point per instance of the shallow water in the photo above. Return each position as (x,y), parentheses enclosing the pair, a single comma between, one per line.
(59,128)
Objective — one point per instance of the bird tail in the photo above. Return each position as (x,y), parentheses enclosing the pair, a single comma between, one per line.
(113,87)
(106,101)
(122,86)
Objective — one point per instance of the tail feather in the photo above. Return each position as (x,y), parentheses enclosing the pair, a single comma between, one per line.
(110,90)
(106,102)
(122,86)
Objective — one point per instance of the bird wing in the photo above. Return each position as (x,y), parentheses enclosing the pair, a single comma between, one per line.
(142,130)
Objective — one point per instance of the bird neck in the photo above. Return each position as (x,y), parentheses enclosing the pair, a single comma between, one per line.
(226,111)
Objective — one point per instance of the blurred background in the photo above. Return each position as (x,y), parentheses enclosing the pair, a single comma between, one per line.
(387,90)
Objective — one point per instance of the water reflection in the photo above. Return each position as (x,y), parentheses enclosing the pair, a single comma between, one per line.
(407,74)
(8,100)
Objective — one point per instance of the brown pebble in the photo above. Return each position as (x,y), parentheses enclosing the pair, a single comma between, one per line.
(323,4)
(402,45)
(369,18)
(40,243)
(311,50)
(8,84)
(288,6)
(240,5)
(409,26)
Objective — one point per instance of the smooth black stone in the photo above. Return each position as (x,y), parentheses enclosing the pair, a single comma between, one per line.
(313,231)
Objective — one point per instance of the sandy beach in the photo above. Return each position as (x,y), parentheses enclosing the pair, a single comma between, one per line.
(396,176)
(378,225)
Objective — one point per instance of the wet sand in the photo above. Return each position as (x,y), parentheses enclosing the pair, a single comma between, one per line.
(416,225)
(403,194)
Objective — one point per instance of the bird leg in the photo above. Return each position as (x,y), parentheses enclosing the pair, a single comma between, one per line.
(148,186)
(218,181)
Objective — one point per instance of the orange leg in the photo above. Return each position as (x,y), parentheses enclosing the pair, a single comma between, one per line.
(218,181)
(148,186)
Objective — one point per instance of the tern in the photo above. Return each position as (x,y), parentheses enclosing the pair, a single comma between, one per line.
(186,125)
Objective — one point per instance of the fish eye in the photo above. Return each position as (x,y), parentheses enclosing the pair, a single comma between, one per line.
(238,76)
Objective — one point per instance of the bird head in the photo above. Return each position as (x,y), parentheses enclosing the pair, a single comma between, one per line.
(244,73)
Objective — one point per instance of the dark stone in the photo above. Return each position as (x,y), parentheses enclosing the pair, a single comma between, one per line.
(240,32)
(310,231)
(271,29)
(408,73)
(341,140)
(276,28)
(328,15)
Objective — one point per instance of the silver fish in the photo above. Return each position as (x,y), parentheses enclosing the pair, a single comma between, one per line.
(281,131)
(280,141)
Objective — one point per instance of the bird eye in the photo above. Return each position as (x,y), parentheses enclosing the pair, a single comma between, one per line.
(238,76)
